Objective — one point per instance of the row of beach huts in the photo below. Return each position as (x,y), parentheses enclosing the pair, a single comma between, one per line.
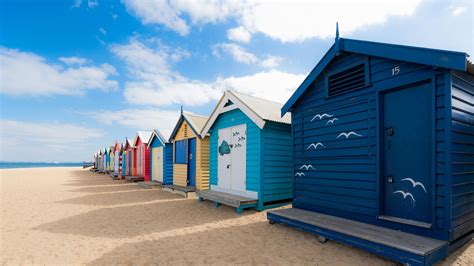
(375,149)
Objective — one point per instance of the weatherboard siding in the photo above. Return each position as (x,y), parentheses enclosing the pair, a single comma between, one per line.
(345,182)
(462,152)
(277,162)
(234,118)
(168,164)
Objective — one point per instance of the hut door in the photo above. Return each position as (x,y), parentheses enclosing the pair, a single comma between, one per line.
(239,156)
(224,158)
(192,162)
(407,153)
(157,165)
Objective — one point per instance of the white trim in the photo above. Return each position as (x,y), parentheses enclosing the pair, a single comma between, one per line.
(246,193)
(220,108)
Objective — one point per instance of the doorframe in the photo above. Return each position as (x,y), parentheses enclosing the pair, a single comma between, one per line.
(426,77)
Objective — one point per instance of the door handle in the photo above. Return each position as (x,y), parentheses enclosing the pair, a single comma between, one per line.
(190,156)
(390,178)
(228,166)
(390,131)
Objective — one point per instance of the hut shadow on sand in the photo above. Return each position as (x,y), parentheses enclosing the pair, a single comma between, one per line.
(252,243)
(140,219)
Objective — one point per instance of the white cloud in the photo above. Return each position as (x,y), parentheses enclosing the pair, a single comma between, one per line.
(237,52)
(272,85)
(158,12)
(239,34)
(77,3)
(31,141)
(92,3)
(140,119)
(23,73)
(287,21)
(154,82)
(73,60)
(271,61)
(457,10)
(103,31)
(240,55)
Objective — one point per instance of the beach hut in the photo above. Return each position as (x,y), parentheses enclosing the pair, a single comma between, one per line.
(142,159)
(129,156)
(190,155)
(250,153)
(123,172)
(111,161)
(383,150)
(117,159)
(161,159)
(106,160)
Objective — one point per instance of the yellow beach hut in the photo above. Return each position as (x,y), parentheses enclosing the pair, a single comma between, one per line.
(190,155)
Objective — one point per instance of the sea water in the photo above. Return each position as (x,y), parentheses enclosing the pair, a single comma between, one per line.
(9,165)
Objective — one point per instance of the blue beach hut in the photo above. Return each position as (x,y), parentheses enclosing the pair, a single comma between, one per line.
(250,153)
(161,159)
(383,140)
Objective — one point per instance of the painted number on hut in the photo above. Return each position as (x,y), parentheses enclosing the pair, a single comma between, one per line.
(395,70)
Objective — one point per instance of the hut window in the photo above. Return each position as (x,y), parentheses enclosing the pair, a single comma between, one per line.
(352,78)
(180,151)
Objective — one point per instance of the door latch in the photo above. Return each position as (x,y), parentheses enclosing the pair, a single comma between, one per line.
(190,156)
(390,179)
(389,131)
(228,166)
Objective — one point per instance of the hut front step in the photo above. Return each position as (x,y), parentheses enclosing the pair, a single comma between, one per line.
(134,178)
(406,248)
(238,202)
(187,192)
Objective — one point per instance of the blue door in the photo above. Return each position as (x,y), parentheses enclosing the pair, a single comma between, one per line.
(407,141)
(192,162)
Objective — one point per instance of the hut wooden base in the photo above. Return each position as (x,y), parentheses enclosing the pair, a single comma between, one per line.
(238,202)
(131,178)
(187,192)
(403,247)
(150,184)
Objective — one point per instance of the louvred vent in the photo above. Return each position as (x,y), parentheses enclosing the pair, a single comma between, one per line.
(346,80)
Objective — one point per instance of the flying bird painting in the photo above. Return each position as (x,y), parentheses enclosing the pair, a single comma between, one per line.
(405,194)
(321,116)
(300,174)
(307,167)
(348,134)
(331,121)
(315,145)
(415,183)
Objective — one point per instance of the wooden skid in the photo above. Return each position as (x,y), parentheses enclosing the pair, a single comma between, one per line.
(149,184)
(134,178)
(400,246)
(235,201)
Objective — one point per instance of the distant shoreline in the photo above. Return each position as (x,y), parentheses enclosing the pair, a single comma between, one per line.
(18,165)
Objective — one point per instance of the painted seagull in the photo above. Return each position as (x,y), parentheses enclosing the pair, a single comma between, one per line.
(307,167)
(405,194)
(347,135)
(321,116)
(299,174)
(415,183)
(315,146)
(331,121)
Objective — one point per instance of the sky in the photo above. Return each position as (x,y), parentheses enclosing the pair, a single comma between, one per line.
(76,76)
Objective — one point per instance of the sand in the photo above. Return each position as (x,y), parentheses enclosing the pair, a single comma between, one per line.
(73,216)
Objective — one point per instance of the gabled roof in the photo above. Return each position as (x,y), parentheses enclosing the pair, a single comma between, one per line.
(128,143)
(195,122)
(144,137)
(157,134)
(425,56)
(257,109)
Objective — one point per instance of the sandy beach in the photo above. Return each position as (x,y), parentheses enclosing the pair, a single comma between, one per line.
(73,216)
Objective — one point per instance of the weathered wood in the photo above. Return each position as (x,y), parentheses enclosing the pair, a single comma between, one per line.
(411,243)
(225,198)
(149,184)
(134,178)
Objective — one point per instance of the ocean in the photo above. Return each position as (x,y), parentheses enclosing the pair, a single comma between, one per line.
(10,165)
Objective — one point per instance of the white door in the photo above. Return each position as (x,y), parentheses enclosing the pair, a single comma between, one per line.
(116,162)
(239,158)
(157,158)
(224,145)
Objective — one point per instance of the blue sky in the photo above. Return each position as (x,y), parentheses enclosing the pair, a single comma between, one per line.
(78,75)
